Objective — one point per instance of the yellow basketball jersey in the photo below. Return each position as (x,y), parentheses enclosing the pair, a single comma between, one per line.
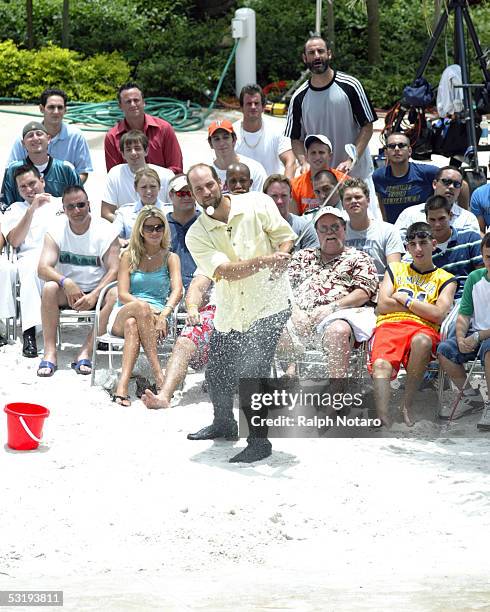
(423,287)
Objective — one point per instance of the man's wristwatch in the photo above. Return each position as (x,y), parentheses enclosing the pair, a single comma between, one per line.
(476,337)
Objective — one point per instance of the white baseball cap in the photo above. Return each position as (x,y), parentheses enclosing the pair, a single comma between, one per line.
(310,139)
(328,210)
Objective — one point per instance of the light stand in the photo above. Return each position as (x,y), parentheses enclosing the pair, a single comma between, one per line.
(461,17)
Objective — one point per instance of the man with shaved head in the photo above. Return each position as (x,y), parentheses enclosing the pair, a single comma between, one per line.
(238,178)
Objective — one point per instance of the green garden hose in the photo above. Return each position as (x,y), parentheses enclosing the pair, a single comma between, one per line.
(183,116)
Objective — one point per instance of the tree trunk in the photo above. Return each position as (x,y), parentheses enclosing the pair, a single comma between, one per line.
(29,20)
(330,23)
(374,50)
(65,24)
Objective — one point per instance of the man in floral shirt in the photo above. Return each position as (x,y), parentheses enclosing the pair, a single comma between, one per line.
(330,285)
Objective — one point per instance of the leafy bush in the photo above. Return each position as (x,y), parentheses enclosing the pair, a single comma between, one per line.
(25,74)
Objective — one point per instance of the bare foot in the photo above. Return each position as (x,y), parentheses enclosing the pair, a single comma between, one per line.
(150,400)
(406,417)
(290,371)
(385,419)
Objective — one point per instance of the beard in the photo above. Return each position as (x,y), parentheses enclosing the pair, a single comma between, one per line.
(318,66)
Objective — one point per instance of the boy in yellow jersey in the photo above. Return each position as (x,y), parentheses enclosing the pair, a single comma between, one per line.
(413,300)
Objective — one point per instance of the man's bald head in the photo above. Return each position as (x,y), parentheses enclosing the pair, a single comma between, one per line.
(238,178)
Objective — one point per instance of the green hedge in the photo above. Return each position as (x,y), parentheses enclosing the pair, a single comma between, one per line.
(25,74)
(174,51)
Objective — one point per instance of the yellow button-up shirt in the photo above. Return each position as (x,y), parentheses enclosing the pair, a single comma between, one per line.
(255,227)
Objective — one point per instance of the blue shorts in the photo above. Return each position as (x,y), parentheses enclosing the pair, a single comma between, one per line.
(449,349)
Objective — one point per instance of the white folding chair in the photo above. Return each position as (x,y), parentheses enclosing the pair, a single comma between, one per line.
(116,343)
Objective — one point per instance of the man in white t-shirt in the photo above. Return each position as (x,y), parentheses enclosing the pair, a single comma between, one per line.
(262,141)
(378,239)
(222,139)
(448,183)
(24,226)
(119,187)
(80,257)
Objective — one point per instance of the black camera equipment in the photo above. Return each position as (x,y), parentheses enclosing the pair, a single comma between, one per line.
(474,94)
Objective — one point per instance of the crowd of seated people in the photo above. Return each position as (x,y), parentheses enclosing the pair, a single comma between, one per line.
(385,263)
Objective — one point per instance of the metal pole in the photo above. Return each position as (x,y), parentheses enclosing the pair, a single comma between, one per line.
(243,28)
(318,18)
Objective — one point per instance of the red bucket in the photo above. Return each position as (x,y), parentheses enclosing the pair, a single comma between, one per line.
(25,425)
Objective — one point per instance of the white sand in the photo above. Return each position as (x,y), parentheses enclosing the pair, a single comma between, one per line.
(121,512)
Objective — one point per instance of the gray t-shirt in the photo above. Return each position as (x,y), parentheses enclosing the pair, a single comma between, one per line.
(379,240)
(338,111)
(298,224)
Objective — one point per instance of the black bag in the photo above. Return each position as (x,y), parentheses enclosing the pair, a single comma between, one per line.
(418,94)
(451,139)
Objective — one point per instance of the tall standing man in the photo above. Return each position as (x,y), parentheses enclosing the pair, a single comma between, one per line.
(259,140)
(243,243)
(163,147)
(334,104)
(67,142)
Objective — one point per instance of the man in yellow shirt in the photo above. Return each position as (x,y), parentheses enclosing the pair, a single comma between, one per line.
(243,244)
(413,300)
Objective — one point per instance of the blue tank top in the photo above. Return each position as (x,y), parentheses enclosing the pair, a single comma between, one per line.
(152,287)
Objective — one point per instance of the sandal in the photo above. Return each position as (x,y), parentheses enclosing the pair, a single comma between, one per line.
(49,365)
(77,365)
(121,400)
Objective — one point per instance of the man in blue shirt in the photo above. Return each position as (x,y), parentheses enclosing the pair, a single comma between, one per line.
(480,205)
(67,143)
(57,174)
(180,220)
(457,251)
(401,183)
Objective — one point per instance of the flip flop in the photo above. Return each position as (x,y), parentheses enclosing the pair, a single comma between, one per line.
(82,362)
(119,399)
(47,364)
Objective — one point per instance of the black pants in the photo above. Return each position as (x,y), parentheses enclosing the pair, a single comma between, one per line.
(236,355)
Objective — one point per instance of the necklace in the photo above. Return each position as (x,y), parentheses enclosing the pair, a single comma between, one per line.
(150,257)
(250,146)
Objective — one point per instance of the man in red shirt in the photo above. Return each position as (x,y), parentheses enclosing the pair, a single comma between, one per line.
(163,147)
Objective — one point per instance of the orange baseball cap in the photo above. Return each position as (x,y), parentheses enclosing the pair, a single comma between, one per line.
(223,124)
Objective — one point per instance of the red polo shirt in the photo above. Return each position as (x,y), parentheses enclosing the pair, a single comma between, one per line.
(163,146)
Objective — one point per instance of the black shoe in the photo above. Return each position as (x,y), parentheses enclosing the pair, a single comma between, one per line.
(30,347)
(256,450)
(3,341)
(211,432)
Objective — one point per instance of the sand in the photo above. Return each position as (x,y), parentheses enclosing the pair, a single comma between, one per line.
(122,513)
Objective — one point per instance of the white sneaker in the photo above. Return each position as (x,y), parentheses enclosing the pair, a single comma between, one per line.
(484,422)
(469,404)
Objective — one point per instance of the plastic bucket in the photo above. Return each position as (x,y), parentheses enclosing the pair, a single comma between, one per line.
(25,425)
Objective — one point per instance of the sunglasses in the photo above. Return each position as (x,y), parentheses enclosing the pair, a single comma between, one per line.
(419,235)
(397,145)
(150,229)
(79,205)
(448,182)
(327,229)
(183,193)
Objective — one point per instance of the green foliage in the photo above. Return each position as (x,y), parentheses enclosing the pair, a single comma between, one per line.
(174,51)
(185,58)
(25,74)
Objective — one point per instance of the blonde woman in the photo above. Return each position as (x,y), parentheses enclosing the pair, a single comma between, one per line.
(147,185)
(149,290)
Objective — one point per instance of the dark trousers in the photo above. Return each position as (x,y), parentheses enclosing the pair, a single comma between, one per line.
(236,355)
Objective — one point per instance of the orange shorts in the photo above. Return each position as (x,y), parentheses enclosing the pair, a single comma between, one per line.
(391,342)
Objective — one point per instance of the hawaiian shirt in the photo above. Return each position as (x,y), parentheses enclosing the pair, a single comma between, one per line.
(317,283)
